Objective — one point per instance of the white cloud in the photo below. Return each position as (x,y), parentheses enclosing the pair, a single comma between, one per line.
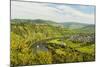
(75,15)
(61,13)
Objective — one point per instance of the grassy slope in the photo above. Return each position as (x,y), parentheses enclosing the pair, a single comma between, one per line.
(24,35)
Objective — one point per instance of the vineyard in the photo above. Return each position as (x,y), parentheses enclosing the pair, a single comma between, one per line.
(46,42)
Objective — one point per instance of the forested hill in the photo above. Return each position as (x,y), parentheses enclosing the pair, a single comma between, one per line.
(79,27)
(47,42)
(36,21)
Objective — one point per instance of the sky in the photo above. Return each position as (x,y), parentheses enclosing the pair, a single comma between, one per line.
(54,12)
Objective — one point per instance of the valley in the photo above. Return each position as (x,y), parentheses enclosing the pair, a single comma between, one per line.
(47,42)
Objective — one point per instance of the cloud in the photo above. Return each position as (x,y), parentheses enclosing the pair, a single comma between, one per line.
(47,11)
(75,15)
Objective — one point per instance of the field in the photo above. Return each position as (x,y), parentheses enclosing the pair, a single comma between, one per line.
(46,42)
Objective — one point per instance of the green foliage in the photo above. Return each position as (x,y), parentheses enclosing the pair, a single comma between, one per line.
(39,42)
(43,57)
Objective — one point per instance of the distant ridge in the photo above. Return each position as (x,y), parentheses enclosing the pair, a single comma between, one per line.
(69,25)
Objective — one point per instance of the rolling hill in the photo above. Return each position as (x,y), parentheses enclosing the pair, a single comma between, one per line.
(79,27)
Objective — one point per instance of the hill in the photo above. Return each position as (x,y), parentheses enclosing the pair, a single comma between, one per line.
(71,26)
(74,25)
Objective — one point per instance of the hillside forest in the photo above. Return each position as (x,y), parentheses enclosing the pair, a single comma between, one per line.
(38,42)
